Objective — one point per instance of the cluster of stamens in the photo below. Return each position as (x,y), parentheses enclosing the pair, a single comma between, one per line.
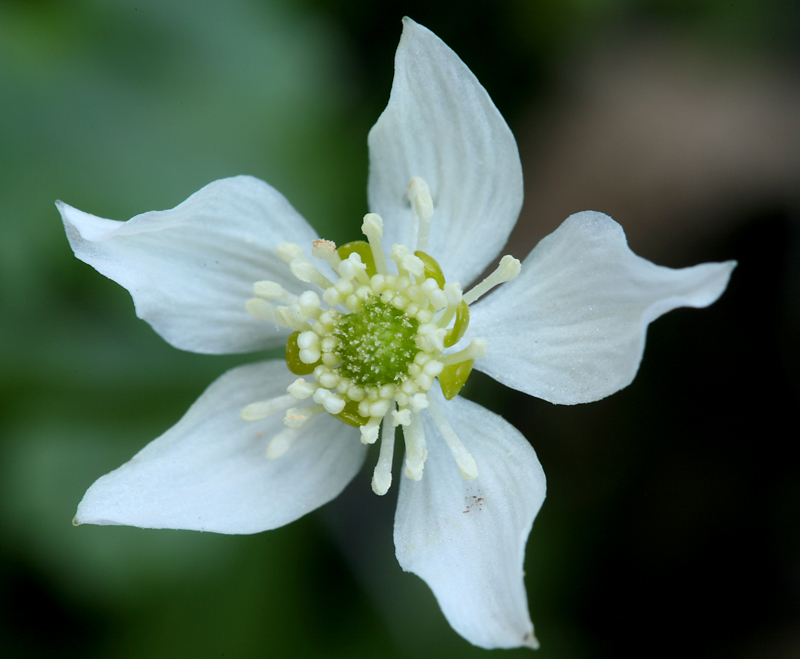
(375,340)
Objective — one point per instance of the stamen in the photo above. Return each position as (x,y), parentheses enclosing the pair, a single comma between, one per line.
(415,448)
(332,403)
(475,350)
(288,252)
(260,309)
(270,290)
(454,297)
(464,460)
(353,268)
(326,250)
(281,442)
(301,389)
(307,272)
(507,269)
(264,408)
(297,417)
(430,337)
(421,210)
(398,254)
(419,402)
(287,317)
(382,476)
(401,417)
(372,228)
(364,251)
(310,352)
(309,304)
(369,431)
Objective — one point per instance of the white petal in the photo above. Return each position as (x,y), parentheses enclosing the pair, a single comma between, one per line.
(210,472)
(571,328)
(466,539)
(441,125)
(190,270)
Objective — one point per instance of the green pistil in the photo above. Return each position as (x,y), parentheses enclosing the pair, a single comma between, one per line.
(376,344)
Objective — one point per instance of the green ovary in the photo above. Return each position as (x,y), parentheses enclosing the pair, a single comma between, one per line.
(377,345)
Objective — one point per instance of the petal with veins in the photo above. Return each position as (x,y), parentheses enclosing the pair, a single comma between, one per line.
(191,269)
(571,328)
(441,125)
(210,472)
(466,539)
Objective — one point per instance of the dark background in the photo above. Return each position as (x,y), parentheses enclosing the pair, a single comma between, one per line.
(671,523)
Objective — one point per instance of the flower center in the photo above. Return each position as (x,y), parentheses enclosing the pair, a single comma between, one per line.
(376,345)
(374,352)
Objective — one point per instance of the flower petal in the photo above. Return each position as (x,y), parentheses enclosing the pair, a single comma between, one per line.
(209,472)
(571,328)
(466,539)
(191,269)
(441,125)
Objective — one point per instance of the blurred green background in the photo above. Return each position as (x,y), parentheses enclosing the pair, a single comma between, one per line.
(671,524)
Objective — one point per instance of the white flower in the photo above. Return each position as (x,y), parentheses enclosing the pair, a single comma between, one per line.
(373,340)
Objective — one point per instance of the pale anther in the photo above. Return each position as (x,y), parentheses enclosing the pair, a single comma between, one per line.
(307,340)
(508,269)
(328,379)
(281,442)
(416,450)
(414,265)
(382,476)
(398,254)
(401,417)
(433,368)
(424,316)
(301,389)
(310,355)
(260,309)
(353,268)
(332,403)
(264,408)
(344,286)
(372,228)
(270,290)
(297,417)
(308,272)
(421,210)
(285,317)
(464,460)
(418,402)
(288,252)
(332,296)
(370,430)
(309,304)
(326,250)
(475,350)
